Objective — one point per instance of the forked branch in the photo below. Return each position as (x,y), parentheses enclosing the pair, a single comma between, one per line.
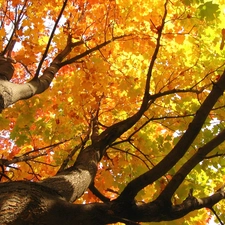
(190,164)
(113,132)
(181,147)
(50,39)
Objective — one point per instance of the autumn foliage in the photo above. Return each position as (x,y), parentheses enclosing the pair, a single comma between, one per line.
(156,68)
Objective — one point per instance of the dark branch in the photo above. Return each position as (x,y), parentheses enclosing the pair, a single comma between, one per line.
(151,212)
(87,52)
(181,147)
(190,164)
(50,40)
(217,216)
(98,194)
(75,149)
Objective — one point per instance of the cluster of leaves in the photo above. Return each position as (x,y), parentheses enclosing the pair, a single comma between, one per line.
(38,134)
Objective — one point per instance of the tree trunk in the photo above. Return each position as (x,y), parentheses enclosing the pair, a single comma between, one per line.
(29,203)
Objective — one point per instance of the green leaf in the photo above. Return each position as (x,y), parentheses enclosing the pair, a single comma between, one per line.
(208,11)
(191,2)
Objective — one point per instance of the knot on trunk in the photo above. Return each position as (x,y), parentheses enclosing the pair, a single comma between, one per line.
(6,68)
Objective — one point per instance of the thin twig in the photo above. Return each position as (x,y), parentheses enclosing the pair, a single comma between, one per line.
(50,40)
(220,221)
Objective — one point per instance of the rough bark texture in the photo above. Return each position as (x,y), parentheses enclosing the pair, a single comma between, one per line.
(27,203)
(31,203)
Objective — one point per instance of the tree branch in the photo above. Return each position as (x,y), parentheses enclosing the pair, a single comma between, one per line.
(174,91)
(151,212)
(181,147)
(71,154)
(87,52)
(152,62)
(11,93)
(22,158)
(57,211)
(98,194)
(10,45)
(108,136)
(217,216)
(50,39)
(190,164)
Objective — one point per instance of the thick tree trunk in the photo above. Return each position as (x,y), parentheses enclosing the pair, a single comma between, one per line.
(28,203)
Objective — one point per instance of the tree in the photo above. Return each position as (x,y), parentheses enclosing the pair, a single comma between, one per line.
(122,112)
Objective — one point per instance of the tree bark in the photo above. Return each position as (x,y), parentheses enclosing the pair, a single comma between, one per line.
(29,203)
(10,92)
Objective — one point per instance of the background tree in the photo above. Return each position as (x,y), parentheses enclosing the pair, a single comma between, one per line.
(130,117)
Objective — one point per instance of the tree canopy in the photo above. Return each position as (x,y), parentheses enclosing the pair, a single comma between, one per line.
(112,112)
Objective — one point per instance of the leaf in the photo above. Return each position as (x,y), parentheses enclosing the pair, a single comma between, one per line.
(180,39)
(209,11)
